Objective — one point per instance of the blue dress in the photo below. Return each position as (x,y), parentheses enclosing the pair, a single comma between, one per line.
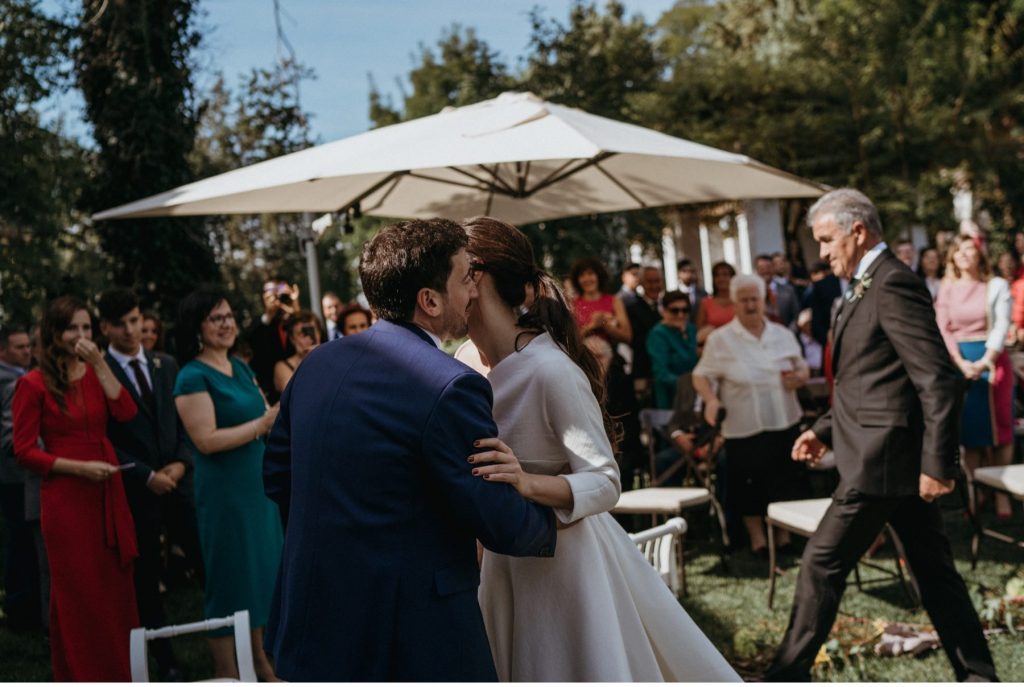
(239,527)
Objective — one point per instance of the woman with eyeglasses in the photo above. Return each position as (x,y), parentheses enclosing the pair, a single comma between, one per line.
(226,416)
(672,345)
(304,333)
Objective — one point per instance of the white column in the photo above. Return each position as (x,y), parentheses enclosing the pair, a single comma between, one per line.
(705,251)
(764,227)
(669,259)
(746,262)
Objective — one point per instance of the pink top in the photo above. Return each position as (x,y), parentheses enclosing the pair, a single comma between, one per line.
(961,312)
(585,309)
(717,315)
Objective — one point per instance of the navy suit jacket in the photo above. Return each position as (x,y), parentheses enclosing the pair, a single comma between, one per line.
(368,462)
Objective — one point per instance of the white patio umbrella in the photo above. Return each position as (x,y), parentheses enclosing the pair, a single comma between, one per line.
(515,157)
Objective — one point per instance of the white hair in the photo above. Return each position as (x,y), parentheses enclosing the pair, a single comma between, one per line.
(743,281)
(846,206)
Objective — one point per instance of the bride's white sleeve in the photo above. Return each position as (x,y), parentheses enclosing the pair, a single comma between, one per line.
(574,416)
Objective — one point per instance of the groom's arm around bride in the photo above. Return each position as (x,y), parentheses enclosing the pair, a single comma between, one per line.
(369,460)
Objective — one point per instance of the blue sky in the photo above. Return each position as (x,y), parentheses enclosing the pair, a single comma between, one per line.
(344,40)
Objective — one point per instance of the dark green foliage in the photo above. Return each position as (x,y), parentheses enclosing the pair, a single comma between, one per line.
(261,119)
(133,65)
(41,173)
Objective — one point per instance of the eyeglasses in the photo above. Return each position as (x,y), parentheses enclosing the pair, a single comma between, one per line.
(218,320)
(308,330)
(679,311)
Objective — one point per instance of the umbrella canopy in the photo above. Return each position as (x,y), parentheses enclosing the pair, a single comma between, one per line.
(516,157)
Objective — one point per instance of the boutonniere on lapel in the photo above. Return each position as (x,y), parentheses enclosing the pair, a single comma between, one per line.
(863,285)
(156,363)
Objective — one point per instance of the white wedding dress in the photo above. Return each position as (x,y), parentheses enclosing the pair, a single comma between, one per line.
(597,611)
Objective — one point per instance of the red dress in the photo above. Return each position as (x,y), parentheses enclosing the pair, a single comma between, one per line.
(584,310)
(87,527)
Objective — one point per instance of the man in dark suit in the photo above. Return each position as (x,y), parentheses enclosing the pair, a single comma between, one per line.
(21,574)
(368,463)
(781,302)
(688,283)
(819,297)
(643,315)
(153,443)
(893,429)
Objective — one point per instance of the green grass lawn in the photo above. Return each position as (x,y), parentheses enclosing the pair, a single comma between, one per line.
(730,605)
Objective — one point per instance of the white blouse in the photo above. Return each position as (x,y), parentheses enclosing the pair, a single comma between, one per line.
(749,374)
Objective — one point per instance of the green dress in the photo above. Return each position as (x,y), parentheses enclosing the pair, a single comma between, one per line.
(239,527)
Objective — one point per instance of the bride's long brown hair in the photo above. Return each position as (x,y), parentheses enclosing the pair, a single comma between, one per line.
(506,254)
(51,352)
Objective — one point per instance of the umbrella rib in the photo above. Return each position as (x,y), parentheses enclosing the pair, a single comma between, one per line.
(522,176)
(622,186)
(474,177)
(497,177)
(486,187)
(393,178)
(558,174)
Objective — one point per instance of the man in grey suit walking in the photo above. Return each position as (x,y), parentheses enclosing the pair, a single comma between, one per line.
(893,429)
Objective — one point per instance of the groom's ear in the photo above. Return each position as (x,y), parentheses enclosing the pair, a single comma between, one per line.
(429,301)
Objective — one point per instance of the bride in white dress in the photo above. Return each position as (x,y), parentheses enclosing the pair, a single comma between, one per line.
(597,611)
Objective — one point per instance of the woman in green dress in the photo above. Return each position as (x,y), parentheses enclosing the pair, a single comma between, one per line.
(672,346)
(226,416)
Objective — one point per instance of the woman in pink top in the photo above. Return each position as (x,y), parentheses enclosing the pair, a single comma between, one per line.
(717,309)
(597,312)
(973,312)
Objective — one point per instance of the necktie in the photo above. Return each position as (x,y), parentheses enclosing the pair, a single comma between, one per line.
(145,391)
(851,289)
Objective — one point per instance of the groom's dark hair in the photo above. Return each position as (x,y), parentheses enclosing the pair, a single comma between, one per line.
(404,258)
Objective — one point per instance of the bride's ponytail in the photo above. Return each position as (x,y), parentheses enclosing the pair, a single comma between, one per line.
(508,257)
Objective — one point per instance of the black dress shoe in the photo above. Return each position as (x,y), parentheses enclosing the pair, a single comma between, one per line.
(172,674)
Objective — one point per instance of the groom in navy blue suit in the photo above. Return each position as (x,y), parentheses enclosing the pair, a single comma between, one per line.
(368,461)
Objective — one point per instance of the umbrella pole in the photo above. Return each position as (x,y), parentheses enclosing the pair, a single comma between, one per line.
(308,241)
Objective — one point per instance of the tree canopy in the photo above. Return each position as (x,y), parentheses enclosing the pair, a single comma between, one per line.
(908,101)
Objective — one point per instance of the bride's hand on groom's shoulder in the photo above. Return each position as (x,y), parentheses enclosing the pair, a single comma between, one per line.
(497,463)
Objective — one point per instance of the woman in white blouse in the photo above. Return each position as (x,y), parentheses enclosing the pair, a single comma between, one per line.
(596,611)
(757,367)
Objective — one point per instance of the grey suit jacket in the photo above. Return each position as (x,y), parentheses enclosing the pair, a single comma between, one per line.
(10,473)
(895,407)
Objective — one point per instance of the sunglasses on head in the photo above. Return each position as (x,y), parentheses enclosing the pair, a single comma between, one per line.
(680,310)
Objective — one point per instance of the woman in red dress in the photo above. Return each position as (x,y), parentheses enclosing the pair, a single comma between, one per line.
(86,524)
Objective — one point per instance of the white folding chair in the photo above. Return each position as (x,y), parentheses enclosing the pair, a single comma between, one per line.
(662,547)
(140,638)
(803,517)
(1008,479)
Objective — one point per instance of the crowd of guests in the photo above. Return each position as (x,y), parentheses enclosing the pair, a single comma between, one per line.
(754,343)
(117,466)
(114,455)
